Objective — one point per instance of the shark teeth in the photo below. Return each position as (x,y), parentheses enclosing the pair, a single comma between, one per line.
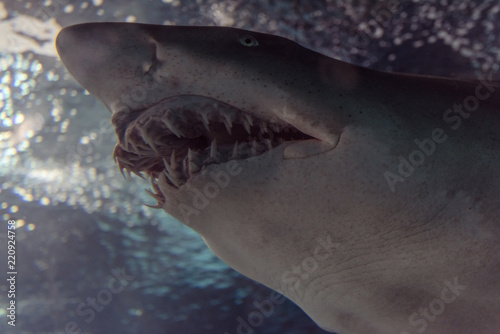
(275,127)
(228,122)
(213,151)
(178,170)
(248,119)
(247,126)
(234,155)
(205,121)
(171,144)
(172,128)
(193,163)
(263,128)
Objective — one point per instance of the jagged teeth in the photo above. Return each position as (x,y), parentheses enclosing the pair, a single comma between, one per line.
(138,174)
(193,163)
(275,127)
(171,174)
(248,118)
(152,144)
(246,125)
(204,119)
(193,168)
(121,167)
(156,194)
(158,205)
(228,122)
(130,145)
(263,127)
(168,168)
(154,185)
(181,165)
(173,163)
(126,142)
(143,132)
(171,127)
(172,179)
(122,159)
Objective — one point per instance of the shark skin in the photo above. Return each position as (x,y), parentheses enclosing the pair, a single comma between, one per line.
(370,199)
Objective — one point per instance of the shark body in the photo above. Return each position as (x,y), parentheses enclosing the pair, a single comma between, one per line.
(369,199)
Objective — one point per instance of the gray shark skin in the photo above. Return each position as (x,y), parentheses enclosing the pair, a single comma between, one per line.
(369,199)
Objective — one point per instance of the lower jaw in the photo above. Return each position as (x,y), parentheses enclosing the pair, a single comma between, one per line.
(214,177)
(214,183)
(298,149)
(229,166)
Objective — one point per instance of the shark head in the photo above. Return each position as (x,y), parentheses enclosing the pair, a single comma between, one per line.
(156,64)
(278,157)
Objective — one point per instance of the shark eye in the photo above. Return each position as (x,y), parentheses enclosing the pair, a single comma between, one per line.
(248,40)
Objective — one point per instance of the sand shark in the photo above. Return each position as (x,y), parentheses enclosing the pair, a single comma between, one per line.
(370,199)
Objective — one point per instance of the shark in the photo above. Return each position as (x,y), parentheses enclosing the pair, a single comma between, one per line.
(370,199)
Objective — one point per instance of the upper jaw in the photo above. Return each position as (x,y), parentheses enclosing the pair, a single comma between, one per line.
(181,135)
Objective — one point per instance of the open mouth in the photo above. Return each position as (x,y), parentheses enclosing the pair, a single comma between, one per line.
(176,139)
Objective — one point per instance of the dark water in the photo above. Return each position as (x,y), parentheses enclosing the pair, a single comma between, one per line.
(91,258)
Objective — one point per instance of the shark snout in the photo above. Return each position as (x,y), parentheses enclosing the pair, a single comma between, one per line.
(82,48)
(105,59)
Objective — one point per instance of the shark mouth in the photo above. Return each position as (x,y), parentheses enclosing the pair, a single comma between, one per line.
(179,137)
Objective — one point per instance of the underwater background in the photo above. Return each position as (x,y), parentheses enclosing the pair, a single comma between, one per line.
(90,257)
